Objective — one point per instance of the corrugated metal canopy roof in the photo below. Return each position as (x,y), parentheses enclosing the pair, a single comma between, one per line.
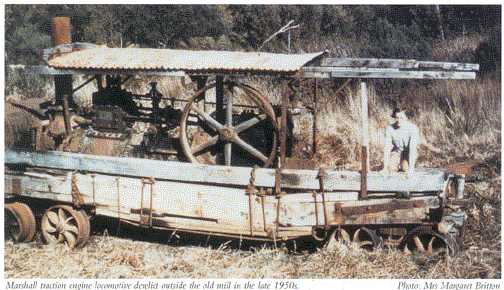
(185,60)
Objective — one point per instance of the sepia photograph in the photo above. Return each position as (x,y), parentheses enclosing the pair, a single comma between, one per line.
(252,142)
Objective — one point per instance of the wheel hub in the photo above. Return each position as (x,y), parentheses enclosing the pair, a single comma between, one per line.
(227,134)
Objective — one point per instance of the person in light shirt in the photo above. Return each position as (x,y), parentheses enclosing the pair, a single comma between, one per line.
(401,140)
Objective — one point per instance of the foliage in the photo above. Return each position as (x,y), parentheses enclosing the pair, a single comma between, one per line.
(19,83)
(366,31)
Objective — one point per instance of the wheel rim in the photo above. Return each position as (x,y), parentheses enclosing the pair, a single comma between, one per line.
(63,224)
(366,238)
(19,222)
(228,133)
(362,238)
(427,242)
(12,225)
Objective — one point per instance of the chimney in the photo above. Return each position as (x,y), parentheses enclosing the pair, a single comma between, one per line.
(61,30)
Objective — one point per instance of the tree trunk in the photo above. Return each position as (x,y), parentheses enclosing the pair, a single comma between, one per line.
(439,21)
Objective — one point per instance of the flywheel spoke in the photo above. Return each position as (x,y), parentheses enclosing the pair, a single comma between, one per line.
(247,147)
(249,123)
(228,149)
(204,146)
(208,119)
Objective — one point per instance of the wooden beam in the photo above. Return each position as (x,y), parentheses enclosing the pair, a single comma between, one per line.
(397,63)
(365,140)
(403,74)
(220,113)
(423,180)
(283,128)
(381,73)
(369,62)
(449,65)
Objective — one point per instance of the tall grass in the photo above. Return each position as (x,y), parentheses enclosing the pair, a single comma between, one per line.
(457,119)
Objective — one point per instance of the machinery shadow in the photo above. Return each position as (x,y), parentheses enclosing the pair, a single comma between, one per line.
(108,226)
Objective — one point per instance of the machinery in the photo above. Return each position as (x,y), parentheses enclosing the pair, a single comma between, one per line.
(219,168)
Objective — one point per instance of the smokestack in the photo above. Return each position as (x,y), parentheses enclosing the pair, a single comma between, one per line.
(61,30)
(62,34)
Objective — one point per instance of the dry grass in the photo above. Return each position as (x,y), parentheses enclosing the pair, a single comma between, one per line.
(458,49)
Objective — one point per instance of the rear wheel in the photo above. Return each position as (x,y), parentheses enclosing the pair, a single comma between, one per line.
(425,241)
(362,237)
(20,225)
(63,224)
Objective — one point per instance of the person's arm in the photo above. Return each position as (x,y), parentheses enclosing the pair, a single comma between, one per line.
(413,144)
(386,149)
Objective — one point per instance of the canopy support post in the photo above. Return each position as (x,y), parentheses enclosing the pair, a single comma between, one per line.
(220,113)
(365,140)
(283,128)
(315,137)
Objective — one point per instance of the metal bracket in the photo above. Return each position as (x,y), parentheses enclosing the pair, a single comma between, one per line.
(321,175)
(150,181)
(77,198)
(251,192)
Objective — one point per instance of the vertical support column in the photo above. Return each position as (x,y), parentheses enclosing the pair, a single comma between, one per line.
(229,123)
(283,129)
(219,99)
(99,82)
(220,113)
(315,128)
(201,83)
(66,115)
(365,140)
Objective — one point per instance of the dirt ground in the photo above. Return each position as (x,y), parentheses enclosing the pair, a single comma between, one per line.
(130,253)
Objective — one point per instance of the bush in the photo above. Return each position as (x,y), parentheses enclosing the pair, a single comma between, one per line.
(18,83)
(488,53)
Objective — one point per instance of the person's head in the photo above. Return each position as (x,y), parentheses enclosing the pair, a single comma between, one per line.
(399,116)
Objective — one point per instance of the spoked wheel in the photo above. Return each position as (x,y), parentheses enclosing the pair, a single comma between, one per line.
(214,137)
(362,237)
(63,224)
(20,225)
(427,242)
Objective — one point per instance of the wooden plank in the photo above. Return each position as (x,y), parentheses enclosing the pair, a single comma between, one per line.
(397,63)
(358,73)
(423,180)
(377,73)
(330,69)
(306,73)
(449,65)
(370,62)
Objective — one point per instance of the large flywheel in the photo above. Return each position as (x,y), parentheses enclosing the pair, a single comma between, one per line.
(206,139)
